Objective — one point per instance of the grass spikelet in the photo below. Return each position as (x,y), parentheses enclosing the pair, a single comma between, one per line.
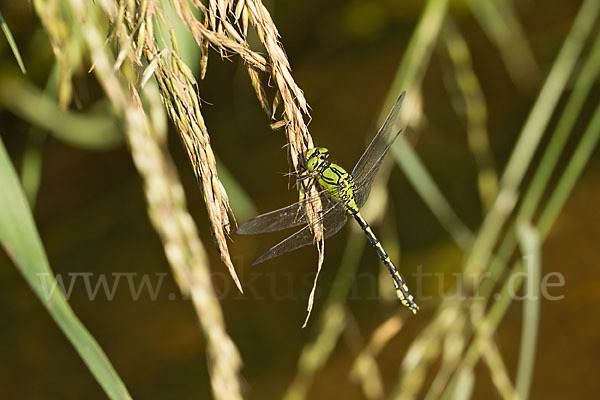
(295,110)
(164,193)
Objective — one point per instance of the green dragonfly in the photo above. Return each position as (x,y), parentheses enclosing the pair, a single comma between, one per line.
(341,195)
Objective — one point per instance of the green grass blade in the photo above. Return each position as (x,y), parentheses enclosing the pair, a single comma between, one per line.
(12,43)
(550,93)
(580,157)
(531,249)
(424,184)
(567,181)
(462,387)
(417,55)
(585,80)
(539,183)
(500,23)
(531,135)
(469,102)
(409,76)
(87,131)
(20,239)
(31,167)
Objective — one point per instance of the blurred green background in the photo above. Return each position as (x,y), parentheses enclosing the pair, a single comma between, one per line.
(91,214)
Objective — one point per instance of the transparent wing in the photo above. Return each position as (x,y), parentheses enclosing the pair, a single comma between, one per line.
(364,185)
(333,220)
(287,217)
(372,157)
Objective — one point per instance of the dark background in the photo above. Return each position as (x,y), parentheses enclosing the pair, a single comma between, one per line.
(91,215)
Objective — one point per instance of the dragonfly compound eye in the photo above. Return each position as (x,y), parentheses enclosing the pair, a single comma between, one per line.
(312,158)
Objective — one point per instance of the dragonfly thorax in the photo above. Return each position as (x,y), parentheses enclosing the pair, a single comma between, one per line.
(315,158)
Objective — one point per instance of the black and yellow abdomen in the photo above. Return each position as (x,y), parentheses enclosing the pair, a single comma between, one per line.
(332,176)
(402,290)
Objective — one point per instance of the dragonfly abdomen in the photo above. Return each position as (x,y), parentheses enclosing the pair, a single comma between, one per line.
(402,290)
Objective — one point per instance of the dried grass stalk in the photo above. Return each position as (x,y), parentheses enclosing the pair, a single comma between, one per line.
(166,200)
(365,369)
(225,27)
(295,109)
(179,93)
(164,192)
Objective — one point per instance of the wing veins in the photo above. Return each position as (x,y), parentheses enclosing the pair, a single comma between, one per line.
(333,220)
(286,217)
(374,151)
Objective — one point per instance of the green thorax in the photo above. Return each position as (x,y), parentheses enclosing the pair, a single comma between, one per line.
(332,176)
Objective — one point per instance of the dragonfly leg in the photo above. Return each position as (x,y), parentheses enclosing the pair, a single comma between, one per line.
(300,178)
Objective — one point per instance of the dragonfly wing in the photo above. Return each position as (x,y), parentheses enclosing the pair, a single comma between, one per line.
(333,220)
(364,189)
(364,185)
(287,217)
(372,157)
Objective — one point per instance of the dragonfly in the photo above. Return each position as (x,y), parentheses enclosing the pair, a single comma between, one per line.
(341,195)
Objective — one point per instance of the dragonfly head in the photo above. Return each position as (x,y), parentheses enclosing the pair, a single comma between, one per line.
(315,156)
